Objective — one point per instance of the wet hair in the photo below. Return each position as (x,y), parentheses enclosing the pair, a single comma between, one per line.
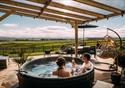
(87,55)
(60,61)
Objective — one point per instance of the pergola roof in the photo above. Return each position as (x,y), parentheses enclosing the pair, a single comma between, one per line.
(82,11)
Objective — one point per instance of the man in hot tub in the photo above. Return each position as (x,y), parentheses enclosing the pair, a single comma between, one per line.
(61,72)
(85,66)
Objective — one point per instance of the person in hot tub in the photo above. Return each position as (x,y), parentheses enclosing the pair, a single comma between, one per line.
(61,72)
(85,66)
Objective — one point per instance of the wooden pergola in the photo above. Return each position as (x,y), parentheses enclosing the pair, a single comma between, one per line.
(54,10)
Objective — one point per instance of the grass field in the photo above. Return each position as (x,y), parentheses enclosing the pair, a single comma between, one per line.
(14,47)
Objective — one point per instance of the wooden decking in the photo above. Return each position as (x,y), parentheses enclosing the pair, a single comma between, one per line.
(102,84)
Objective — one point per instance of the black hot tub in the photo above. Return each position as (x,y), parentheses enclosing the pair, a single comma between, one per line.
(27,78)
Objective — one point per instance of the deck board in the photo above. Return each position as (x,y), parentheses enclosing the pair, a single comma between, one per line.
(102,84)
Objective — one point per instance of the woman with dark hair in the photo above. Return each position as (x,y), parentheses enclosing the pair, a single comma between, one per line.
(61,72)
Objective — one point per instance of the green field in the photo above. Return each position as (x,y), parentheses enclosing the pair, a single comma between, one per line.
(30,47)
(13,47)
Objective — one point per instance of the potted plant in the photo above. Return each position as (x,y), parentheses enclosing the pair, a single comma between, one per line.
(116,75)
(116,78)
(21,59)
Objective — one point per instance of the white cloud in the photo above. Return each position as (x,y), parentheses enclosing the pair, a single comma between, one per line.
(10,25)
(121,31)
(58,32)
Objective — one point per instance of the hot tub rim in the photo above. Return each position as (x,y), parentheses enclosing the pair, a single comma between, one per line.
(22,71)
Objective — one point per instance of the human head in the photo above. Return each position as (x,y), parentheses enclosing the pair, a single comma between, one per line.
(86,56)
(60,61)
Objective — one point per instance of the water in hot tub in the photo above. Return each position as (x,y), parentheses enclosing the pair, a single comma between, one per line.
(45,70)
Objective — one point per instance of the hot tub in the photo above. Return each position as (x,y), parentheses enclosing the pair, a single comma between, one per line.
(28,78)
(3,62)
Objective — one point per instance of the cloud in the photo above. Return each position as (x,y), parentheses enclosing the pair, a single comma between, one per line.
(10,25)
(102,31)
(52,32)
(121,31)
(58,32)
(56,27)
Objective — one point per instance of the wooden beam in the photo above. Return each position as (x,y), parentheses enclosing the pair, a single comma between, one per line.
(71,8)
(36,16)
(62,17)
(68,14)
(47,9)
(100,5)
(47,2)
(75,9)
(106,17)
(4,16)
(14,3)
(76,38)
(44,14)
(14,9)
(4,11)
(41,17)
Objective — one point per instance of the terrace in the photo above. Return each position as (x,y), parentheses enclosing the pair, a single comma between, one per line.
(74,12)
(102,78)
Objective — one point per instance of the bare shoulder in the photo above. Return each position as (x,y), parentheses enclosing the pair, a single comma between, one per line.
(54,72)
(68,73)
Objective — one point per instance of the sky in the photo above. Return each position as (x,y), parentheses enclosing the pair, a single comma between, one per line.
(27,27)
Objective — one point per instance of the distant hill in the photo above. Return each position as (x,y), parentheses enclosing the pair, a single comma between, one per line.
(13,38)
(7,38)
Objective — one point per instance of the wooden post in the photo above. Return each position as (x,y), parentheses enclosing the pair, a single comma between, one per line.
(83,36)
(4,16)
(76,38)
